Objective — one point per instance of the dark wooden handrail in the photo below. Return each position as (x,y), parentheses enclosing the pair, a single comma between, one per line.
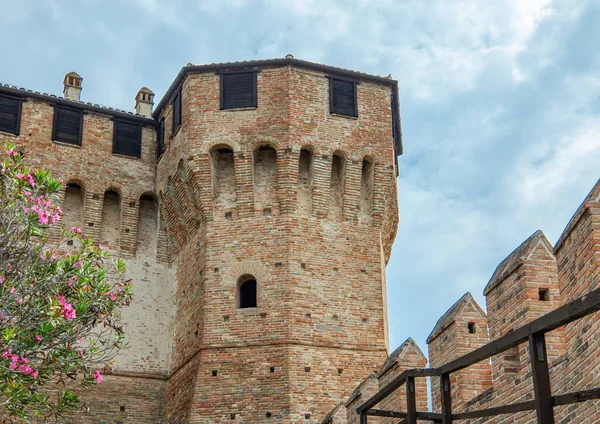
(533,333)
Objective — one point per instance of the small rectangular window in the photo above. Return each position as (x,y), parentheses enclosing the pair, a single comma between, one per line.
(10,114)
(160,138)
(68,125)
(342,97)
(127,139)
(176,103)
(238,90)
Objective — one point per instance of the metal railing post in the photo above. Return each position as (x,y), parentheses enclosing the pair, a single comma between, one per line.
(411,401)
(363,417)
(446,392)
(541,379)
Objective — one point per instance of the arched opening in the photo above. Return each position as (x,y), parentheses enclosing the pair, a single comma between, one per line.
(366,188)
(147,225)
(336,188)
(73,206)
(265,179)
(223,178)
(247,292)
(305,181)
(110,229)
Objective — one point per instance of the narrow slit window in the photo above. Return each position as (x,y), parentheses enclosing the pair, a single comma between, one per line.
(238,90)
(342,97)
(127,139)
(10,114)
(247,292)
(68,125)
(471,327)
(544,294)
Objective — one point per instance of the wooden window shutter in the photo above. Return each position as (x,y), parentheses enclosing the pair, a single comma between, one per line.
(10,114)
(68,125)
(176,112)
(238,90)
(160,138)
(342,97)
(127,139)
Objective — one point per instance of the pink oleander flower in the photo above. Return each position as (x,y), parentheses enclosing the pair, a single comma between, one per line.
(20,176)
(11,152)
(97,376)
(79,340)
(100,247)
(68,311)
(72,280)
(61,180)
(54,218)
(38,338)
(43,217)
(30,180)
(76,230)
(12,290)
(78,264)
(1,279)
(19,301)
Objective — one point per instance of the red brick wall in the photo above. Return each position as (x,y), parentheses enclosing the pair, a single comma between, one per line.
(454,341)
(320,280)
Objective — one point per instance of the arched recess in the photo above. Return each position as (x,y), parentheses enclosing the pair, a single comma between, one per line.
(110,230)
(265,179)
(367,183)
(73,206)
(147,233)
(247,292)
(237,274)
(336,187)
(305,181)
(223,177)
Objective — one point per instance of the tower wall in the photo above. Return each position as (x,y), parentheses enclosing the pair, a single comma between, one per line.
(319,270)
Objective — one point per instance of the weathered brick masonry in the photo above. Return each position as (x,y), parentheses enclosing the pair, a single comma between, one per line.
(285,193)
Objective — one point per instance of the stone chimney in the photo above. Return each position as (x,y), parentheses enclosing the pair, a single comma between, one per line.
(144,100)
(72,90)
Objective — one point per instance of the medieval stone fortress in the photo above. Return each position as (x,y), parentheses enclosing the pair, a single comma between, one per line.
(256,207)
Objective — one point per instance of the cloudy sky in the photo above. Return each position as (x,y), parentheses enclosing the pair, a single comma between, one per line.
(500,104)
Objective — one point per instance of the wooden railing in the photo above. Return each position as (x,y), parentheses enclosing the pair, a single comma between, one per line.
(533,333)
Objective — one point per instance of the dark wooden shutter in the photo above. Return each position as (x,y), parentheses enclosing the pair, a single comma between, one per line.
(127,139)
(343,97)
(67,125)
(238,90)
(10,114)
(176,113)
(160,138)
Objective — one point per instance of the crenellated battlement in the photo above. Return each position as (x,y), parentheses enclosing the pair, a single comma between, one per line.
(533,280)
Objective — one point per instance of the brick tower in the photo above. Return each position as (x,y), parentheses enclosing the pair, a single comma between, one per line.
(277,182)
(256,208)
